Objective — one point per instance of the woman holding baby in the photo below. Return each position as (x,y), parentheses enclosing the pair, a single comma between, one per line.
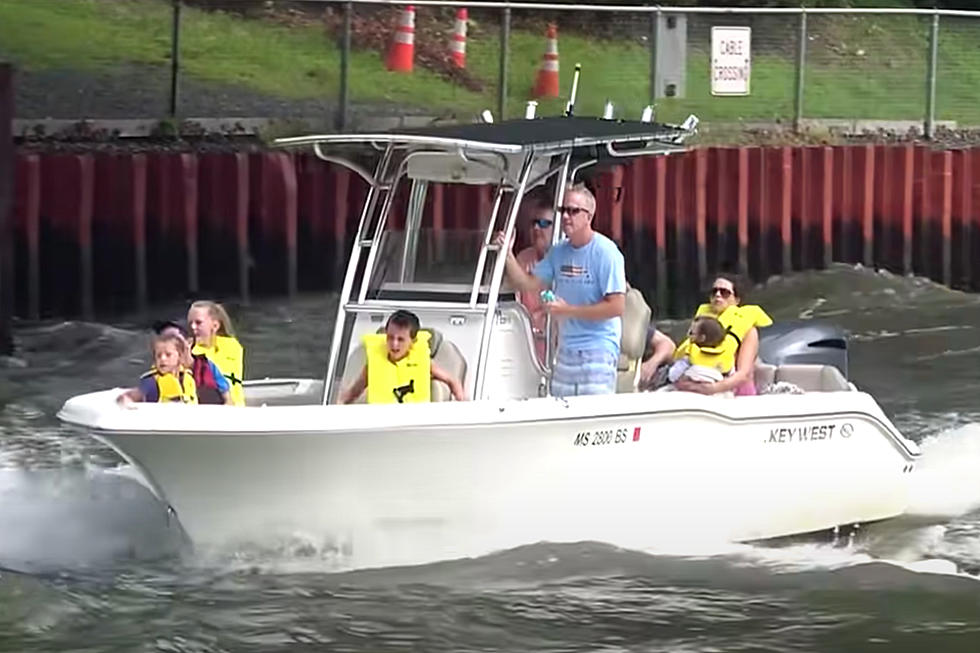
(741,323)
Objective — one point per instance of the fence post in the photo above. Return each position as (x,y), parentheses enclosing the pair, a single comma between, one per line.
(504,61)
(801,37)
(343,102)
(930,126)
(655,21)
(174,59)
(6,208)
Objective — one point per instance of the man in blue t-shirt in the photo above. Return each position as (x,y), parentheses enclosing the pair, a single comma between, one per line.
(588,278)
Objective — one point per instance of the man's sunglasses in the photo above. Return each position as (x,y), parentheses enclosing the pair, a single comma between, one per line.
(572,211)
(542,223)
(724,292)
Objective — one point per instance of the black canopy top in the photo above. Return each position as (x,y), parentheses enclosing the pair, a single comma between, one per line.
(543,135)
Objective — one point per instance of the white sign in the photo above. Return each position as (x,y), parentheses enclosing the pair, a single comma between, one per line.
(731,60)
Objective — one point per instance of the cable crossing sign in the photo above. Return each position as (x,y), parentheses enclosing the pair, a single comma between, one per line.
(731,60)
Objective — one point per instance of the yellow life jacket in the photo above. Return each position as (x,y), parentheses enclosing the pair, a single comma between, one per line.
(402,382)
(227,353)
(172,388)
(721,358)
(738,319)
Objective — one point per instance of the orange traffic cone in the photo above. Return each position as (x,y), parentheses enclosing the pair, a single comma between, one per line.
(457,46)
(546,84)
(402,49)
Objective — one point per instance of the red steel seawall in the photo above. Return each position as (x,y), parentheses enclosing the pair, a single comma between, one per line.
(6,190)
(109,232)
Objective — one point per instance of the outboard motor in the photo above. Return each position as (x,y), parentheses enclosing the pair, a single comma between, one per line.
(804,341)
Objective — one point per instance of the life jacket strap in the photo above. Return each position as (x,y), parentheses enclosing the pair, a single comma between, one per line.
(738,341)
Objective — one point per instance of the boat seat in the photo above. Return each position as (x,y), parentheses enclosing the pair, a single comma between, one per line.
(448,357)
(813,378)
(636,319)
(444,353)
(765,375)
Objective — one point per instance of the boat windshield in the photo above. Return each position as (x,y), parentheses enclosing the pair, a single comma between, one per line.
(428,264)
(431,247)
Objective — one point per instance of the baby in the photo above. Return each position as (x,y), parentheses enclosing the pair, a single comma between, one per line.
(169,379)
(707,355)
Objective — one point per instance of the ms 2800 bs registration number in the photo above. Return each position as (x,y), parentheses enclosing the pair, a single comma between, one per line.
(601,437)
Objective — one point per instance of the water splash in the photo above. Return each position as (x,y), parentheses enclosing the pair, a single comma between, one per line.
(945,480)
(58,519)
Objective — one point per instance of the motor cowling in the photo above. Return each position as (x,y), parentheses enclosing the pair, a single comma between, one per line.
(804,342)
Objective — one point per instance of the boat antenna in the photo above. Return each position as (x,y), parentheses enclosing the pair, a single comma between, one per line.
(570,107)
(608,110)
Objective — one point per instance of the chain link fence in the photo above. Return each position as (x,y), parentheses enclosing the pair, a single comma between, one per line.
(327,62)
(867,66)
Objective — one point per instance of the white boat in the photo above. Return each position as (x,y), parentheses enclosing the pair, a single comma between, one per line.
(513,465)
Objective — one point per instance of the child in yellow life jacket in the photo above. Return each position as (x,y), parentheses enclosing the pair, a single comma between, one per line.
(214,337)
(168,380)
(398,367)
(212,386)
(707,355)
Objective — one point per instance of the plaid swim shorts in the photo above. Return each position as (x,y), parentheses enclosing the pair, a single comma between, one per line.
(584,372)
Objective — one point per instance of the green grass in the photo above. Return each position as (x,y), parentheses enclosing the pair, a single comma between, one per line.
(866,67)
(291,62)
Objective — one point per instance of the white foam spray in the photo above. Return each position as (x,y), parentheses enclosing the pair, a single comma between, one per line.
(945,482)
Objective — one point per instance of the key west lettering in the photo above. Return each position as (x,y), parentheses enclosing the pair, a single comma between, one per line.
(808,433)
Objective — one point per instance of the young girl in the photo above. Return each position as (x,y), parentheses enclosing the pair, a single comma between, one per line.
(212,386)
(214,337)
(169,379)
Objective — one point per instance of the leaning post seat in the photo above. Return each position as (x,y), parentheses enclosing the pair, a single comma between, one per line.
(765,375)
(636,319)
(806,377)
(813,378)
(444,353)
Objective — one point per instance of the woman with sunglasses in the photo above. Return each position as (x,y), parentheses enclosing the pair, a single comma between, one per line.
(742,322)
(542,224)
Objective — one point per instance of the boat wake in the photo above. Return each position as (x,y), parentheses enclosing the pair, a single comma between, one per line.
(945,481)
(76,519)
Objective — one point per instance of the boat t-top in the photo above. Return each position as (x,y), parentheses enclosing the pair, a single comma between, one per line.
(513,465)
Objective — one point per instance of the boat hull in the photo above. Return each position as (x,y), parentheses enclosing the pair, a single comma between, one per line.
(464,479)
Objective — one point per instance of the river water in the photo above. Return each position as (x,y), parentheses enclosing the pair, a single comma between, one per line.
(90,562)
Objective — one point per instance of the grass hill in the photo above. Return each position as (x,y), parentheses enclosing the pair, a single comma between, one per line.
(857,66)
